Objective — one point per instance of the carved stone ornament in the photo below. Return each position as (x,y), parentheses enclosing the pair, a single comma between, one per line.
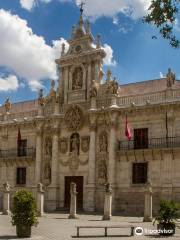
(47,174)
(74,118)
(74,162)
(103,142)
(63,145)
(85,143)
(102,169)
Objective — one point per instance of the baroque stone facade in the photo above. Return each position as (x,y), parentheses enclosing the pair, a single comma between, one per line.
(77,134)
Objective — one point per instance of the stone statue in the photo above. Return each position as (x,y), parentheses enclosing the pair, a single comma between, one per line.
(98,41)
(77,79)
(113,87)
(149,187)
(41,99)
(108,188)
(6,187)
(52,92)
(108,76)
(48,147)
(40,187)
(73,188)
(75,144)
(94,89)
(63,49)
(7,105)
(47,173)
(170,76)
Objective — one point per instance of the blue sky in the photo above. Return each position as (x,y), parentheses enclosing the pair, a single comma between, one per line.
(32,31)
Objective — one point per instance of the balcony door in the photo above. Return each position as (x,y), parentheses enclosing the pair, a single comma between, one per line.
(140,138)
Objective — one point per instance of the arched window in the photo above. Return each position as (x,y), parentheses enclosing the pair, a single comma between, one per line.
(75,143)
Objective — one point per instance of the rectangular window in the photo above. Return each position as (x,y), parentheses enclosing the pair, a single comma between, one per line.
(141,138)
(22,148)
(139,173)
(21,176)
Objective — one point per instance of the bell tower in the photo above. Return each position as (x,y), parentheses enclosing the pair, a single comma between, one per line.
(81,64)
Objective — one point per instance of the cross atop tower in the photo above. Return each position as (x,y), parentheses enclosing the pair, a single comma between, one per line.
(81,7)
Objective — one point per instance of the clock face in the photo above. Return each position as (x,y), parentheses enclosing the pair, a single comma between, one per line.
(78,48)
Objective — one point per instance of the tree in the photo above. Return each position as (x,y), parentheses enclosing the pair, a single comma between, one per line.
(163,15)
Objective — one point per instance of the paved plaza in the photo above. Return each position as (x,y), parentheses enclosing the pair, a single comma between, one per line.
(59,227)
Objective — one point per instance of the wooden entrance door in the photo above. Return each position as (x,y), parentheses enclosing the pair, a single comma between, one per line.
(79,187)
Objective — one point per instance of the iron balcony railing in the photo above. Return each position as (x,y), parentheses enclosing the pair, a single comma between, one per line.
(16,153)
(152,143)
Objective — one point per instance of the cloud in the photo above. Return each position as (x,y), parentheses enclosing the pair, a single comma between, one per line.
(161,75)
(9,83)
(177,25)
(25,53)
(30,4)
(98,8)
(27,4)
(132,8)
(109,60)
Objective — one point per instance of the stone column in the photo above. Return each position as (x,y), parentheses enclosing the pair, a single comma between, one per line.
(66,80)
(148,204)
(54,168)
(6,199)
(38,155)
(56,107)
(114,101)
(73,203)
(97,71)
(90,198)
(93,103)
(40,111)
(89,80)
(112,150)
(107,202)
(40,199)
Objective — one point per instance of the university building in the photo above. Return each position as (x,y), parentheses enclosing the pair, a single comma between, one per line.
(77,134)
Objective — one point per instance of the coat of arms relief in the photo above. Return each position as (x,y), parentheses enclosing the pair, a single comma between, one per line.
(74,118)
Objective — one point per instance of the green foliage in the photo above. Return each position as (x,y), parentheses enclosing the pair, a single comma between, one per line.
(163,15)
(168,212)
(24,211)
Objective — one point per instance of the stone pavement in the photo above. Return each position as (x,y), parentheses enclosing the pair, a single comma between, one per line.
(57,226)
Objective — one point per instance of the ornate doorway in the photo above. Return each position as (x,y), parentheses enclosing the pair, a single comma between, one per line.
(79,187)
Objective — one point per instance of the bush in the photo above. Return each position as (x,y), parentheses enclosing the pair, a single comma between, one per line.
(24,211)
(168,212)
